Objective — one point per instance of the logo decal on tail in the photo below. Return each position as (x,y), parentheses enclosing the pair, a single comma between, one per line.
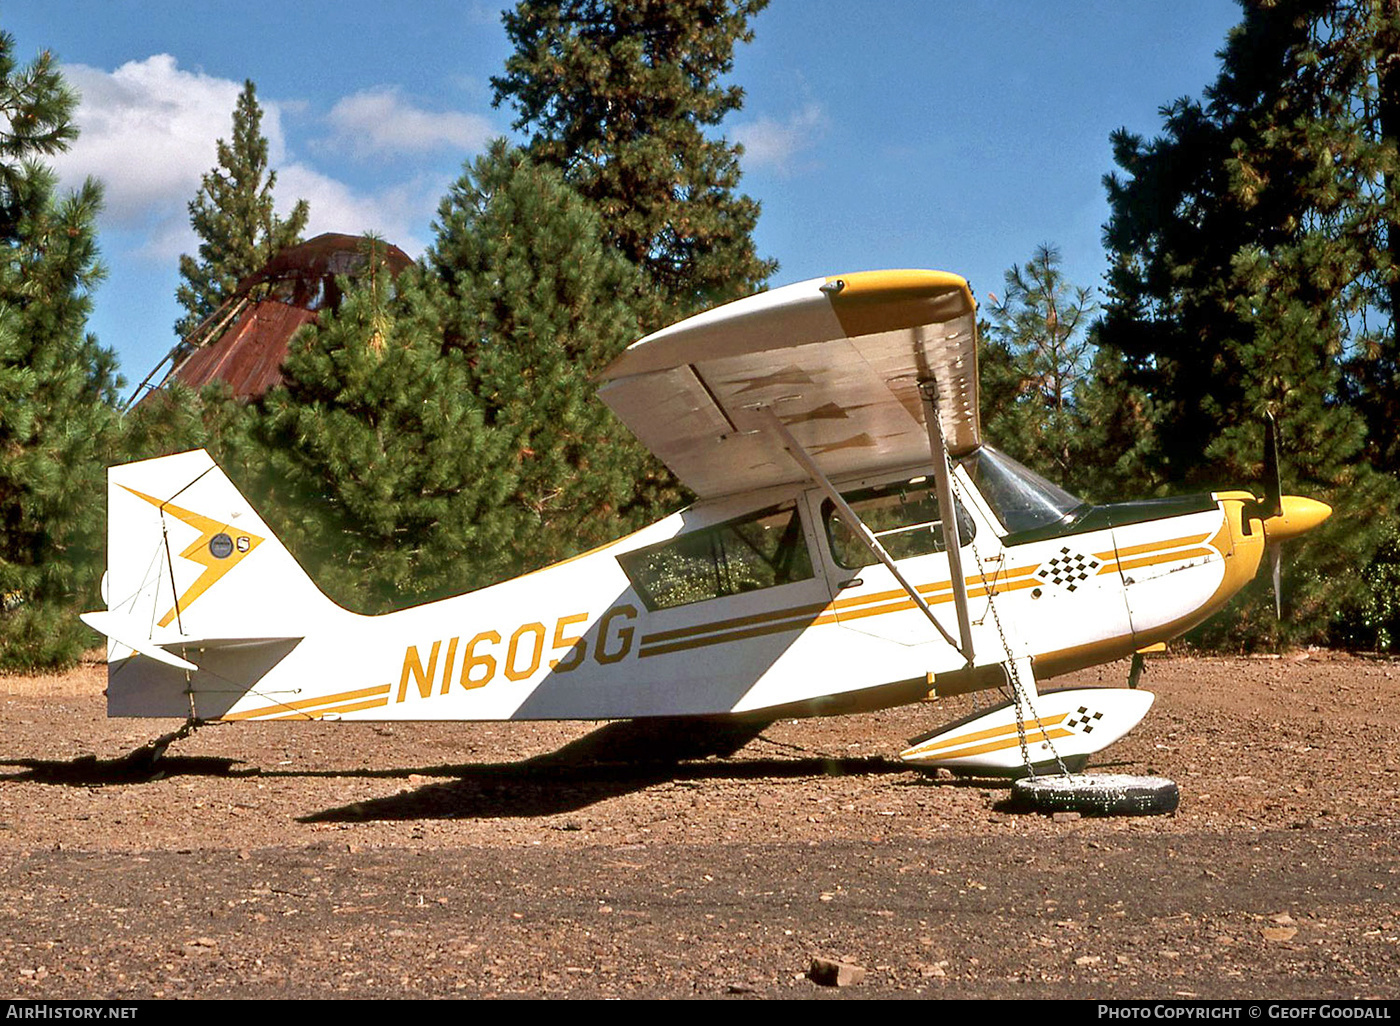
(213,550)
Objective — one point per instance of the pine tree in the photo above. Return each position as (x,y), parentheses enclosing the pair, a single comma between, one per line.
(57,385)
(1038,356)
(540,304)
(371,460)
(1251,264)
(440,433)
(623,97)
(233,215)
(176,418)
(1334,138)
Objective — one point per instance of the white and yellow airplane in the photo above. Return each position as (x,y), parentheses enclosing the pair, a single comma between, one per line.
(828,428)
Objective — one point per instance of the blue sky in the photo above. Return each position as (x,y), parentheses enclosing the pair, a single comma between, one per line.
(885,133)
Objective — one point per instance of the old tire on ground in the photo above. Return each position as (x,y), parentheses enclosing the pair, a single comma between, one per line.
(1097,794)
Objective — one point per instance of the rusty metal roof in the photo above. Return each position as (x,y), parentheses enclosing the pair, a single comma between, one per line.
(248,356)
(245,341)
(311,265)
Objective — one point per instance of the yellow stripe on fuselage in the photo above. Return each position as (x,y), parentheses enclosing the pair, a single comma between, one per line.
(309,703)
(320,714)
(797,618)
(860,607)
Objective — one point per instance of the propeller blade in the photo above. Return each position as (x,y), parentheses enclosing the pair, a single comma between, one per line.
(1272,504)
(1276,565)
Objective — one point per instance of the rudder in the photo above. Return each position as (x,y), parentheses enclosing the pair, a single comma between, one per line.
(189,560)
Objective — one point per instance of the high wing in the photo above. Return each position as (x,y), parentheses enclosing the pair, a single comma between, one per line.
(838,360)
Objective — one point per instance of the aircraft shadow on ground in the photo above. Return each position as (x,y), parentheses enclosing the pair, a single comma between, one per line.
(616,759)
(90,771)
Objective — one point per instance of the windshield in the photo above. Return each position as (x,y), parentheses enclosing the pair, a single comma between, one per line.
(1021,498)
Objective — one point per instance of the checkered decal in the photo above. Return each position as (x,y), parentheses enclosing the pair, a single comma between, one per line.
(1068,569)
(1083,720)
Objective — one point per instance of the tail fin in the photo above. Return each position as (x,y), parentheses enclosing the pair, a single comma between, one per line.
(190,564)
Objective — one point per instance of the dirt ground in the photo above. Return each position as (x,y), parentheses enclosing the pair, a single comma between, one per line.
(335,859)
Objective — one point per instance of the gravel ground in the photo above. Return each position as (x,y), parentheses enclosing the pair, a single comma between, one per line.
(336,859)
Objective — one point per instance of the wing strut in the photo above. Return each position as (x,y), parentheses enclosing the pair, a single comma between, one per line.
(938,449)
(805,461)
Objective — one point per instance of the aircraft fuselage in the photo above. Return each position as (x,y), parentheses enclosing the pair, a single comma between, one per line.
(763,604)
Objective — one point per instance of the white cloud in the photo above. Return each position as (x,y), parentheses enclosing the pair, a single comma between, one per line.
(381,121)
(149,131)
(400,213)
(776,145)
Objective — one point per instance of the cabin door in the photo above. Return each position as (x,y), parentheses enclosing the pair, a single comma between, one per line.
(905,517)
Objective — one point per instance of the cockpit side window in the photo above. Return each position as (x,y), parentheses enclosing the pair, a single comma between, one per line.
(762,550)
(903,516)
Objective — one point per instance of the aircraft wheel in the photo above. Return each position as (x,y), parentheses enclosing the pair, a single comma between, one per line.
(1098,794)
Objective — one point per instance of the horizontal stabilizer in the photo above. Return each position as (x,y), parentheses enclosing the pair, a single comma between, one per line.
(124,631)
(127,631)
